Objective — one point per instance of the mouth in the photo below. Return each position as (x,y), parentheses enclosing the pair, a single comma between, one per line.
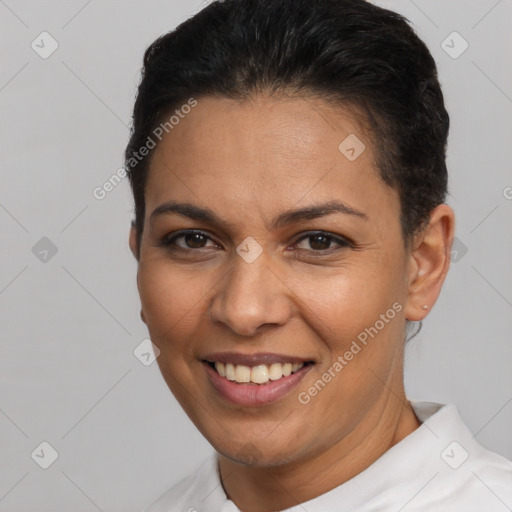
(258,374)
(254,380)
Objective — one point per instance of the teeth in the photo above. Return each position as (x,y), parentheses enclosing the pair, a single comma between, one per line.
(230,371)
(242,373)
(259,374)
(275,371)
(221,368)
(287,369)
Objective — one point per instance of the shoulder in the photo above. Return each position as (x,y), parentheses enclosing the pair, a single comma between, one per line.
(467,476)
(487,475)
(473,478)
(192,490)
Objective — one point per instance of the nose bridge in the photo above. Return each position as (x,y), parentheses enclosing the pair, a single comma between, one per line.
(250,296)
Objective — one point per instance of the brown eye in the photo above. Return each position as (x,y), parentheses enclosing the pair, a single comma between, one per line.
(191,240)
(195,240)
(321,242)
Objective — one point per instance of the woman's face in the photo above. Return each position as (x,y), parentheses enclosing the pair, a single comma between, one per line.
(259,285)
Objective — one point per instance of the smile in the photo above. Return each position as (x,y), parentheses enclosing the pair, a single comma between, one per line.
(259,374)
(254,380)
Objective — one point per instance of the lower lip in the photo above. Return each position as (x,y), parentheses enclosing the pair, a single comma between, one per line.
(255,394)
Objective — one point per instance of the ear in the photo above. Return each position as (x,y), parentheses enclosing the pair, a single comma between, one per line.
(133,241)
(135,251)
(429,262)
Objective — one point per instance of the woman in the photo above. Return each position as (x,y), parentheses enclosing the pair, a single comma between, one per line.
(287,162)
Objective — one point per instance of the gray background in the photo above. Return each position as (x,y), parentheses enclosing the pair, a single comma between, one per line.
(69,324)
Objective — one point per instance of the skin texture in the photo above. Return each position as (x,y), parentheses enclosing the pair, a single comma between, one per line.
(248,162)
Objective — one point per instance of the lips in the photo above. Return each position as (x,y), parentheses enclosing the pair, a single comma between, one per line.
(243,379)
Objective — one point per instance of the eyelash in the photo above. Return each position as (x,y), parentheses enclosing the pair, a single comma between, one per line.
(169,241)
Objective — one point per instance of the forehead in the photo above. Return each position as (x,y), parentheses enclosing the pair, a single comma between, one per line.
(267,154)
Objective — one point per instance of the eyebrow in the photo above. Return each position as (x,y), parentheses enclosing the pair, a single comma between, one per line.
(283,219)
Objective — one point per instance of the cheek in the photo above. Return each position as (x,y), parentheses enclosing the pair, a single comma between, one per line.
(347,301)
(170,298)
(172,304)
(358,315)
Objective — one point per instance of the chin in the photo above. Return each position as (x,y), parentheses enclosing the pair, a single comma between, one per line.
(255,455)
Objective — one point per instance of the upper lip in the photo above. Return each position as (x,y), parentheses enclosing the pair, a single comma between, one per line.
(252,359)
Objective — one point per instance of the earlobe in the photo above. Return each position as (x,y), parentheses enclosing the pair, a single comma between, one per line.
(429,262)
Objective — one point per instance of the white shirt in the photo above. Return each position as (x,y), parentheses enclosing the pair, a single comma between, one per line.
(440,467)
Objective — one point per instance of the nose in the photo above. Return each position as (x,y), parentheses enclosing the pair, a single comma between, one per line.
(251,297)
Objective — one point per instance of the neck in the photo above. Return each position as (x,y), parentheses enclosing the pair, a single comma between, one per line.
(266,489)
